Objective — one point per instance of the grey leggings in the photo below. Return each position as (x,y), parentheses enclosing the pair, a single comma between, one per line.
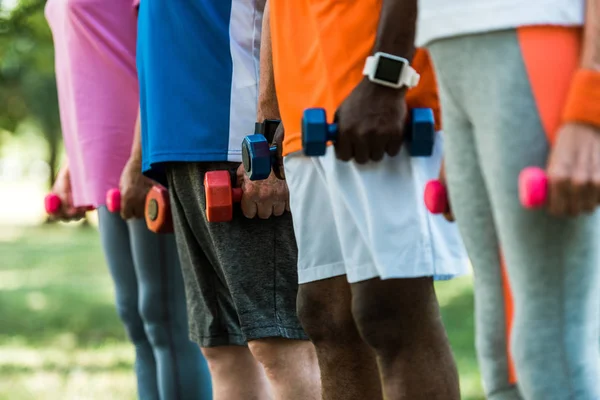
(151,302)
(493,131)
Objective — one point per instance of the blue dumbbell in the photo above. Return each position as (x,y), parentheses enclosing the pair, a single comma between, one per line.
(258,157)
(316,132)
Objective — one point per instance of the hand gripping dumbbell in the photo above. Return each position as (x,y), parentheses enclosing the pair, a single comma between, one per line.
(220,196)
(258,156)
(533,191)
(113,200)
(53,203)
(158,210)
(419,132)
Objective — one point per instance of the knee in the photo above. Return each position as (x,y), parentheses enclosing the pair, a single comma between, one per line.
(226,360)
(391,322)
(325,320)
(280,356)
(269,355)
(129,315)
(159,323)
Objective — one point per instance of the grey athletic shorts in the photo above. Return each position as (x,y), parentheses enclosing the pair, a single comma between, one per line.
(240,277)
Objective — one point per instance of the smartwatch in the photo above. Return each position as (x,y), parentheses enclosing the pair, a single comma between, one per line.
(267,128)
(392,71)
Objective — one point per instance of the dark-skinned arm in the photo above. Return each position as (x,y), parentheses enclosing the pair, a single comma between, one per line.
(371,118)
(397,28)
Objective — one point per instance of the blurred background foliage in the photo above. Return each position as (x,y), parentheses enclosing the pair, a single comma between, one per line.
(28,96)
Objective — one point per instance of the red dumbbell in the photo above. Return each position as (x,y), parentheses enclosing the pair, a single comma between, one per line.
(436,197)
(533,187)
(158,210)
(220,196)
(53,203)
(113,200)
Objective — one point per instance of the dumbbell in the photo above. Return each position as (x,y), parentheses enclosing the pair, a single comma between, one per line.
(533,187)
(436,197)
(419,132)
(258,156)
(158,210)
(53,203)
(220,196)
(533,191)
(113,200)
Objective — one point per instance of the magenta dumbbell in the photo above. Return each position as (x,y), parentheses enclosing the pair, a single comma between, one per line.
(436,197)
(52,203)
(113,200)
(533,187)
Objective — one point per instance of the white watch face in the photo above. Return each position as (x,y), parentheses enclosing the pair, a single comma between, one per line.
(388,70)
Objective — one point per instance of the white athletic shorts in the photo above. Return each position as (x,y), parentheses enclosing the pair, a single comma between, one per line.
(368,221)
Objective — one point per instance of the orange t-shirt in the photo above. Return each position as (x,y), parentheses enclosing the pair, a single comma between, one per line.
(319,51)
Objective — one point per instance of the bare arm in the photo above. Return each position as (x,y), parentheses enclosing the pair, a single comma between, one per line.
(136,148)
(268,108)
(591,37)
(397,26)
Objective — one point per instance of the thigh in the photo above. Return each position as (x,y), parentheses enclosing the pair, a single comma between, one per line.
(542,252)
(552,262)
(470,202)
(159,273)
(320,254)
(114,236)
(253,259)
(382,223)
(212,317)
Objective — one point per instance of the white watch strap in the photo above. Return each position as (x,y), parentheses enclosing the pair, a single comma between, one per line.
(410,77)
(369,65)
(413,78)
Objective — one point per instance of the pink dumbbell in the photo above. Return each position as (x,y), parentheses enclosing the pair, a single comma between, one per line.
(52,203)
(113,200)
(436,197)
(533,187)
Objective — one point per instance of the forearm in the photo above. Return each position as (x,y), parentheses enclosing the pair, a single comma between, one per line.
(136,149)
(268,108)
(397,26)
(591,37)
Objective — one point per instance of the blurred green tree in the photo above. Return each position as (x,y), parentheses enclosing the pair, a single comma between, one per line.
(27,81)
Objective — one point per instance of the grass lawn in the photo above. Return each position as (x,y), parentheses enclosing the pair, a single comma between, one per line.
(60,337)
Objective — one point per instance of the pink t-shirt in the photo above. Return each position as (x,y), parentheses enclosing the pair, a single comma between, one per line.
(95,42)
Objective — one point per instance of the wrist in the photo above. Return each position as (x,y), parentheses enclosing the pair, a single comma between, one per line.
(390,70)
(583,101)
(135,161)
(267,110)
(378,90)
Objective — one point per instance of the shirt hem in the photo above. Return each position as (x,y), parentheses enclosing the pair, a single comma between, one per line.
(159,158)
(459,21)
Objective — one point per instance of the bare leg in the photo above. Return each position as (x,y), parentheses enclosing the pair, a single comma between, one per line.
(290,366)
(347,364)
(400,320)
(236,375)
